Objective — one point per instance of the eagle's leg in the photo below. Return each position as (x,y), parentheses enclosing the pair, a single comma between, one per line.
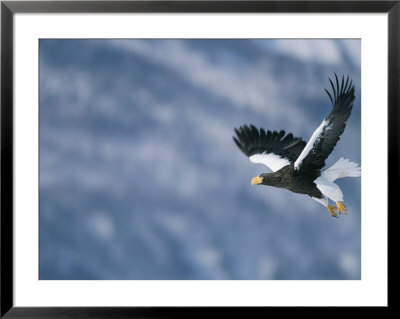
(341,208)
(331,210)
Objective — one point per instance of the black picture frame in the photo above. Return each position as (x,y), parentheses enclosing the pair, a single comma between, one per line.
(9,8)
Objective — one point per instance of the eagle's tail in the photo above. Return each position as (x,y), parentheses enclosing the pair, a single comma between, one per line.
(342,168)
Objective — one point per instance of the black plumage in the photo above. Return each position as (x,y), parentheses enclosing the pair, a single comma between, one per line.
(252,141)
(297,183)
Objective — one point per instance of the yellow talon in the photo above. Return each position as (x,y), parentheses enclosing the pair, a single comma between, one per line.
(331,210)
(341,208)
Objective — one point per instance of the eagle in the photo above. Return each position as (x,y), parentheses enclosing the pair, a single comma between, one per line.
(299,166)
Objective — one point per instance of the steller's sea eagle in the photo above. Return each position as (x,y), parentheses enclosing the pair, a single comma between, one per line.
(297,165)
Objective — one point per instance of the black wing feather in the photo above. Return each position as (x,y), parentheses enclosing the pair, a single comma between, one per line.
(336,123)
(252,141)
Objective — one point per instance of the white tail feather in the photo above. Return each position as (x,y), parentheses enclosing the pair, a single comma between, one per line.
(342,168)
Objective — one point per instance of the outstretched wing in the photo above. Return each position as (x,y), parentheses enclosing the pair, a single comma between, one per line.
(325,137)
(273,149)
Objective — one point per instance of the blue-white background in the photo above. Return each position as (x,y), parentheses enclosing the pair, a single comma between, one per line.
(140,178)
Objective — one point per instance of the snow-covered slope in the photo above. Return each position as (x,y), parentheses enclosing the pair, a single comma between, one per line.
(140,178)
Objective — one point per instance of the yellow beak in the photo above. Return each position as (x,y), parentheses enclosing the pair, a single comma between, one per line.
(256,180)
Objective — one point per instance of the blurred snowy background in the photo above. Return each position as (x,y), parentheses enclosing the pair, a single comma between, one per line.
(140,178)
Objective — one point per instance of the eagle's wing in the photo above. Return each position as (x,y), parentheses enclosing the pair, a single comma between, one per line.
(325,137)
(273,149)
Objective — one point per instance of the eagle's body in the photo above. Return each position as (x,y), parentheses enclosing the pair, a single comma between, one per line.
(297,183)
(297,165)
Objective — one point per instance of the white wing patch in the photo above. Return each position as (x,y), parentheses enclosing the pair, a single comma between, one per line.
(310,144)
(273,161)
